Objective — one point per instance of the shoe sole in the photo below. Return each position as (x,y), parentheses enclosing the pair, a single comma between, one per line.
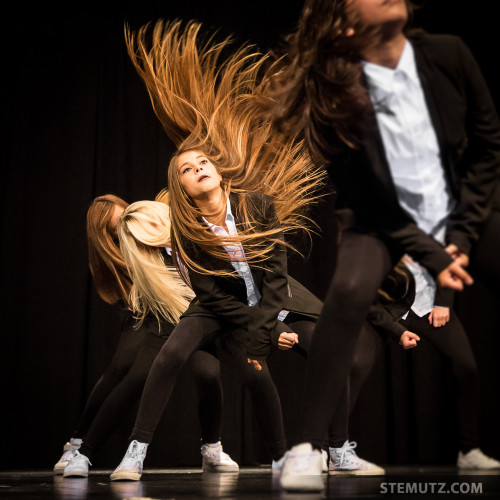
(220,468)
(356,473)
(302,483)
(125,476)
(59,469)
(76,473)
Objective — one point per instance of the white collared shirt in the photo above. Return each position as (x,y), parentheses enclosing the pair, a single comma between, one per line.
(236,251)
(410,143)
(425,288)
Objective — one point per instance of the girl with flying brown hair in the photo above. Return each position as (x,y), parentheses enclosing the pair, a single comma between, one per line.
(229,211)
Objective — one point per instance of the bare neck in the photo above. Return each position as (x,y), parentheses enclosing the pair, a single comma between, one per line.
(386,51)
(212,207)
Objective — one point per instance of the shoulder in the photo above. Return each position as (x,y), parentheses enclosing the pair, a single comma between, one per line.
(251,202)
(440,47)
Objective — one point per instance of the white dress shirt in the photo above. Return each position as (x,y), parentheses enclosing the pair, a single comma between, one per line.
(425,288)
(410,143)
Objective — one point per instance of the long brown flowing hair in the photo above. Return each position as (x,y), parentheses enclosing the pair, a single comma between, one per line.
(315,87)
(108,268)
(209,103)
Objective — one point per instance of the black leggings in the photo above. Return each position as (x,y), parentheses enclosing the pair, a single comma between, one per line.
(188,336)
(362,263)
(121,385)
(369,346)
(452,341)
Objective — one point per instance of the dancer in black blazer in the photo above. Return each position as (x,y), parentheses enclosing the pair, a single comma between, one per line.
(340,121)
(397,314)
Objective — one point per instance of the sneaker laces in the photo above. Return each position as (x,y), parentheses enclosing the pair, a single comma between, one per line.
(68,455)
(79,459)
(131,458)
(347,454)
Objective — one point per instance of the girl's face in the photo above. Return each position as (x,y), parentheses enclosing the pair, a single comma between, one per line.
(379,12)
(197,175)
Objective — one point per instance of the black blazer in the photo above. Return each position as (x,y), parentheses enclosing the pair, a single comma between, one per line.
(385,313)
(468,132)
(226,297)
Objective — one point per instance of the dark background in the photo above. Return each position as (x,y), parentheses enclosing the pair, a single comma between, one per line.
(78,124)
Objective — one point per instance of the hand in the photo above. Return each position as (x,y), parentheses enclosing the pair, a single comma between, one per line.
(409,340)
(256,364)
(457,255)
(287,340)
(439,316)
(454,276)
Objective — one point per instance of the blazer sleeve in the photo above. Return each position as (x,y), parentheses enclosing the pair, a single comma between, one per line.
(481,158)
(444,297)
(218,301)
(384,321)
(273,292)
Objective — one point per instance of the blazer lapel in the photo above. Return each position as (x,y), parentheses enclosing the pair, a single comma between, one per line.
(432,95)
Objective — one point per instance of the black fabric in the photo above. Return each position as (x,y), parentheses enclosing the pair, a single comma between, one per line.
(452,342)
(362,263)
(226,296)
(190,334)
(119,389)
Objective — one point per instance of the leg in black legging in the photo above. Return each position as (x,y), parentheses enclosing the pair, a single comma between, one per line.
(362,263)
(370,345)
(188,336)
(206,370)
(124,395)
(128,344)
(265,399)
(452,341)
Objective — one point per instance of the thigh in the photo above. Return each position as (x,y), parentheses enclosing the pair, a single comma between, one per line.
(451,339)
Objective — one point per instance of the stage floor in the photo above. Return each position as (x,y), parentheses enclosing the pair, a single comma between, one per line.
(249,483)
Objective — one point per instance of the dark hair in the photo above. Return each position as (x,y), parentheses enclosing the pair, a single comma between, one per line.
(316,87)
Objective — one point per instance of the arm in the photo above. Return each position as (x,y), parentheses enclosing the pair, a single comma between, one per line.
(273,292)
(481,159)
(217,300)
(385,322)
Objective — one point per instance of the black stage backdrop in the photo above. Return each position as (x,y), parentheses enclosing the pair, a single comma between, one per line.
(78,124)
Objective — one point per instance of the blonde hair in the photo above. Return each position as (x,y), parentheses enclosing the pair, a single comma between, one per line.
(106,262)
(143,230)
(209,104)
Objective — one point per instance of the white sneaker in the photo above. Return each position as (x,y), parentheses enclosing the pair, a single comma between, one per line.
(476,459)
(345,461)
(68,453)
(130,468)
(215,460)
(324,456)
(277,465)
(78,466)
(302,469)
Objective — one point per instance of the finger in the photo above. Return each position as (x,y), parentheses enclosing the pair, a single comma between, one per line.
(462,274)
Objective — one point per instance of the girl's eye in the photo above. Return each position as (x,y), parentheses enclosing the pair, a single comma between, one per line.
(203,162)
(187,169)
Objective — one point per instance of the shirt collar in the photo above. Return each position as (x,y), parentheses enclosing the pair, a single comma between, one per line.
(382,78)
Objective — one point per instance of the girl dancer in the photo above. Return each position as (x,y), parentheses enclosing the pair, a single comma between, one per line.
(120,386)
(206,107)
(343,88)
(410,308)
